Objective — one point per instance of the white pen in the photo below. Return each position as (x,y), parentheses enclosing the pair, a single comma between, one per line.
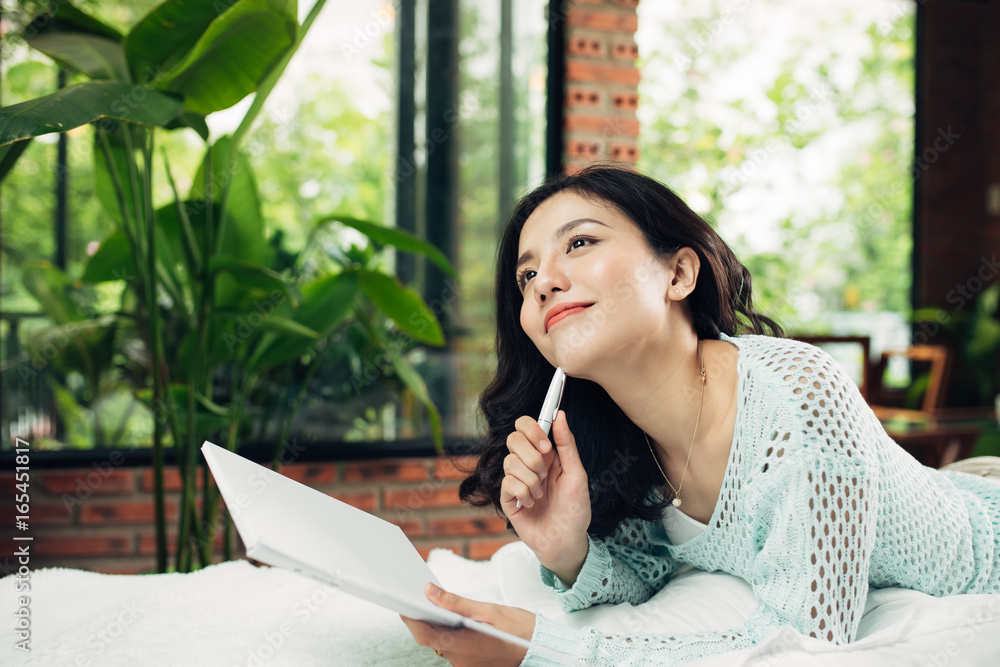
(550,406)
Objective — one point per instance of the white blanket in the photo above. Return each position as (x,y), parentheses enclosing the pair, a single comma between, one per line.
(237,614)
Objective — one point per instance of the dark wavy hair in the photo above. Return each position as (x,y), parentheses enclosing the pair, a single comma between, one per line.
(621,474)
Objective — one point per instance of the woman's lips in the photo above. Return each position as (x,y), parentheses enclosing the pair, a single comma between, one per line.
(563,315)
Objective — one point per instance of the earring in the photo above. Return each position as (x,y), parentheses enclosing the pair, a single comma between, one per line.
(678,290)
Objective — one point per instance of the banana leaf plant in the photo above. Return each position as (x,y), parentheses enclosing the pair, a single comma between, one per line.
(199,267)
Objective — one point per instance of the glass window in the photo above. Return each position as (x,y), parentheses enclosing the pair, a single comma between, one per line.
(789,125)
(325,143)
(490,145)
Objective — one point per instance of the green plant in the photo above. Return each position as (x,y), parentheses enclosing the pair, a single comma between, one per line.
(976,332)
(196,268)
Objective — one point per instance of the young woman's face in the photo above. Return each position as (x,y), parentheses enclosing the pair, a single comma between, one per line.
(592,287)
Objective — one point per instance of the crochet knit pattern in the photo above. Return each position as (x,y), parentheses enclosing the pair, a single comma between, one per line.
(817,505)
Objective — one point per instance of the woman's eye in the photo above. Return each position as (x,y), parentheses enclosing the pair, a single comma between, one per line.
(524,277)
(579,242)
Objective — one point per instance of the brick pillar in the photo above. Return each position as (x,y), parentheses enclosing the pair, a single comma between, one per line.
(991,121)
(957,167)
(602,83)
(958,145)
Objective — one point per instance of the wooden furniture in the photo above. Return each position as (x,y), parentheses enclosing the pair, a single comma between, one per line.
(949,435)
(927,433)
(934,442)
(939,358)
(933,435)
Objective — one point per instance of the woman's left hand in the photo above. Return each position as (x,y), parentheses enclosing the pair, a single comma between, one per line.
(461,646)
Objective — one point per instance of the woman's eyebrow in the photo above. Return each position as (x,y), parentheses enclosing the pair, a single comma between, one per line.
(564,229)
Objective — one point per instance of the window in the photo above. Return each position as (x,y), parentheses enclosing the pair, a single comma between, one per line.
(789,125)
(426,114)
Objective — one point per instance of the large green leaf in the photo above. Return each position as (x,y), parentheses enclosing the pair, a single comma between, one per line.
(251,274)
(167,33)
(232,330)
(79,41)
(185,246)
(233,55)
(242,248)
(94,55)
(245,235)
(402,305)
(168,219)
(67,17)
(112,261)
(84,103)
(269,322)
(287,327)
(395,237)
(418,387)
(9,155)
(325,303)
(186,119)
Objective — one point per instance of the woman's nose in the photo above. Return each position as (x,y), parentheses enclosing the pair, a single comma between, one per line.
(550,279)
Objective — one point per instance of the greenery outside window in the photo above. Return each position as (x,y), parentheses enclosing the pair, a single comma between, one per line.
(790,126)
(327,141)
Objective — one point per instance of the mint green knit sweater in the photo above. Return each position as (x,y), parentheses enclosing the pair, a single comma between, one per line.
(817,505)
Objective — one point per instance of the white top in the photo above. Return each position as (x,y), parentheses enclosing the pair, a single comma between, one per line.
(680,527)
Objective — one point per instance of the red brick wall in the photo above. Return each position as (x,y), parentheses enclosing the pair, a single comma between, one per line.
(601,82)
(100,517)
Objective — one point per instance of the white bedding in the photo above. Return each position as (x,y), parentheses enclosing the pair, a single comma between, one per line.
(237,614)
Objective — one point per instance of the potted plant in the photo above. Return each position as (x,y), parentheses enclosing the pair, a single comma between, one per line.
(202,291)
(975,332)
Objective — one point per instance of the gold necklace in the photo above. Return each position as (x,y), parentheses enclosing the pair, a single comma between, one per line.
(677,492)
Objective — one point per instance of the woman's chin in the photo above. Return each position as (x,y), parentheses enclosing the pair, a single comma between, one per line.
(575,363)
(577,350)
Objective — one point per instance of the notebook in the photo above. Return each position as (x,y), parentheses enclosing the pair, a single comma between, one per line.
(290,525)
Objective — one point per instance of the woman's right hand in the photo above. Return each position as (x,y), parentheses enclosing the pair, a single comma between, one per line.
(551,485)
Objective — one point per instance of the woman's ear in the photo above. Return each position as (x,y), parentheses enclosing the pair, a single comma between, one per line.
(685,264)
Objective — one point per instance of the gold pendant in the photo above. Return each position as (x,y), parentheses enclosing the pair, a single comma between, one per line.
(676,502)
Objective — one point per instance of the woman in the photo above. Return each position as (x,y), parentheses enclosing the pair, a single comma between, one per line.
(754,455)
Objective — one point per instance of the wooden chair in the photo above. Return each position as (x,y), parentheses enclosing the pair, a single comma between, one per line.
(939,358)
(933,442)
